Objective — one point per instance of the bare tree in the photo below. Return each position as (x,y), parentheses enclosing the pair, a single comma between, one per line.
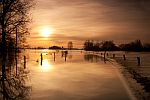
(14,19)
(70,45)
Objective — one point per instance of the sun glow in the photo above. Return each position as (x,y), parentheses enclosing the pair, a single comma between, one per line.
(46,31)
(46,66)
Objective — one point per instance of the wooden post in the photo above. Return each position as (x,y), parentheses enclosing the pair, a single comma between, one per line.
(113,55)
(41,58)
(24,62)
(66,52)
(54,56)
(139,61)
(104,55)
(65,56)
(124,57)
(62,53)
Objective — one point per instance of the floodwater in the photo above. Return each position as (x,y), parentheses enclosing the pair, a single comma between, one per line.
(81,76)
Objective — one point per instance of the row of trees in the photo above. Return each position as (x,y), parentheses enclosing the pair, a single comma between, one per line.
(90,45)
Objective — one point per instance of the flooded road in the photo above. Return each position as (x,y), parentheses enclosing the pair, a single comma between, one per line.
(56,75)
(82,76)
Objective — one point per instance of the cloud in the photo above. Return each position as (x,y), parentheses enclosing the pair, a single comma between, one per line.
(97,19)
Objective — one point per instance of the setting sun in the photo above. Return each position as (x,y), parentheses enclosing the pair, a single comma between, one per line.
(46,31)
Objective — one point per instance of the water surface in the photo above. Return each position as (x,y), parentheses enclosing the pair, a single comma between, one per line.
(82,77)
(79,76)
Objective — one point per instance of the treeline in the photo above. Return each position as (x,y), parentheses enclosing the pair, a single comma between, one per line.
(90,45)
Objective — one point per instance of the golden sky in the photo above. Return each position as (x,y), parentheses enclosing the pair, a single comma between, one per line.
(79,20)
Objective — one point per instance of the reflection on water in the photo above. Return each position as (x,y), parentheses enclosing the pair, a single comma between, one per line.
(14,82)
(46,66)
(60,76)
(93,58)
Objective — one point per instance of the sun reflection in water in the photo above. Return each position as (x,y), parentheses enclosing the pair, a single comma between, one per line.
(46,66)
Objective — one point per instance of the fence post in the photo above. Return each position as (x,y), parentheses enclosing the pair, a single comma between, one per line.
(66,52)
(65,56)
(62,53)
(41,58)
(24,62)
(139,61)
(124,57)
(54,56)
(105,56)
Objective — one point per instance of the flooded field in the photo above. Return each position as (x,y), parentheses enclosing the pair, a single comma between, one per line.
(51,75)
(136,69)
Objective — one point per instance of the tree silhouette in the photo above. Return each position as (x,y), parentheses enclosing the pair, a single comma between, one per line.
(88,45)
(70,45)
(146,47)
(132,46)
(13,26)
(99,46)
(107,45)
(14,17)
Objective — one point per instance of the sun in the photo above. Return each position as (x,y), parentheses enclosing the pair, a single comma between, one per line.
(46,31)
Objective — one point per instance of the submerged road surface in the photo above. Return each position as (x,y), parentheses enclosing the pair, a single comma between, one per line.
(81,77)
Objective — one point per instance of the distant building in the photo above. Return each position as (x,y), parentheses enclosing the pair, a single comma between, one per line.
(70,45)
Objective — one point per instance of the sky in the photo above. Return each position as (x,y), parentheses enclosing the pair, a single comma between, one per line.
(79,20)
